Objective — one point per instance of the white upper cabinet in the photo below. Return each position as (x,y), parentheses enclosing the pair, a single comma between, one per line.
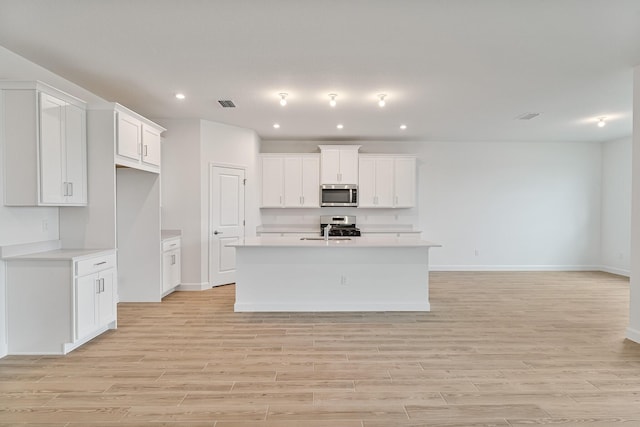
(404,182)
(138,141)
(301,182)
(376,182)
(339,164)
(272,182)
(311,181)
(76,154)
(290,181)
(150,145)
(386,181)
(45,144)
(129,140)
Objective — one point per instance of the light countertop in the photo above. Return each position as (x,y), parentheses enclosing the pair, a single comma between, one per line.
(364,228)
(354,242)
(62,255)
(170,234)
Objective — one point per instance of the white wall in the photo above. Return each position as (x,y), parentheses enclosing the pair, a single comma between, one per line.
(180,192)
(616,206)
(229,145)
(520,205)
(188,149)
(633,331)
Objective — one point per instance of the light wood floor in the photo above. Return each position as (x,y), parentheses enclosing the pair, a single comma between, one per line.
(498,349)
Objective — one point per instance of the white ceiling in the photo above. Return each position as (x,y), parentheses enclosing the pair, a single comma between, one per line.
(452,69)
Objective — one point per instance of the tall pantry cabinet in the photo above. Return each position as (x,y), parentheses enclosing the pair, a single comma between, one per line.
(44,136)
(124,212)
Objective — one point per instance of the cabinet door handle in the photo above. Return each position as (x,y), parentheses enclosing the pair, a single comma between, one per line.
(99,263)
(97,286)
(302,201)
(217,232)
(145,150)
(70,189)
(173,259)
(102,280)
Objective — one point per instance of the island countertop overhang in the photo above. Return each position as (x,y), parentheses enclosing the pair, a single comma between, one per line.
(354,242)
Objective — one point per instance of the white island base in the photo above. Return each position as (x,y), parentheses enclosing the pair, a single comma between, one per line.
(287,274)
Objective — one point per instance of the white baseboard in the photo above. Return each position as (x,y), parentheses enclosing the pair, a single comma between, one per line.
(325,307)
(193,286)
(514,268)
(4,351)
(633,334)
(615,270)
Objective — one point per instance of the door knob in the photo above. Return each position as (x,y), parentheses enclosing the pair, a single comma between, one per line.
(217,232)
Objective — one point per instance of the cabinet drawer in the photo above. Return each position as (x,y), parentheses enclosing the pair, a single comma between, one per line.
(168,245)
(95,264)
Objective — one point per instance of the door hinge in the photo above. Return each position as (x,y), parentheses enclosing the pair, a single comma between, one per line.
(244,181)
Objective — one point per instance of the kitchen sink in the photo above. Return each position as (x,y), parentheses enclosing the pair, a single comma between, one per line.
(322,238)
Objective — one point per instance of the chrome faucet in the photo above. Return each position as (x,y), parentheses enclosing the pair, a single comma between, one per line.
(327,228)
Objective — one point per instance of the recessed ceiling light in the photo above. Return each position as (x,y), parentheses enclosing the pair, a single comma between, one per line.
(283,98)
(180,95)
(403,127)
(332,99)
(276,126)
(601,122)
(381,101)
(340,126)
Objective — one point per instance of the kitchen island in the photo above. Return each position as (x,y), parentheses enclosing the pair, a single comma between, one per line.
(352,274)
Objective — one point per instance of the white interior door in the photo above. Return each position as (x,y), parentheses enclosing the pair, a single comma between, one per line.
(226,221)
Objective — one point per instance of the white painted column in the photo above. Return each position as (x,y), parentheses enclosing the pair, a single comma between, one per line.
(633,331)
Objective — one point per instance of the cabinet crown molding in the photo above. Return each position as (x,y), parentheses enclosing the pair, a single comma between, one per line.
(43,87)
(339,147)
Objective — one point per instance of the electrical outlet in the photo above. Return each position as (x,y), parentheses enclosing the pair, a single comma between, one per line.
(343,280)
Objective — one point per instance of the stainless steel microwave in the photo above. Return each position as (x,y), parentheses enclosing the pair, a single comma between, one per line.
(338,195)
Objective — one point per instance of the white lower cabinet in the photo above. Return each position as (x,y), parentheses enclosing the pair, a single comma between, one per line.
(287,234)
(392,234)
(59,300)
(95,302)
(171,269)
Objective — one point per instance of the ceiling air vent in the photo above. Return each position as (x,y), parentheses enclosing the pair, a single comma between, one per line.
(227,104)
(528,116)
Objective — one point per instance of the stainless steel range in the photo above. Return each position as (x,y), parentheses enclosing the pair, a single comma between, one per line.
(341,225)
